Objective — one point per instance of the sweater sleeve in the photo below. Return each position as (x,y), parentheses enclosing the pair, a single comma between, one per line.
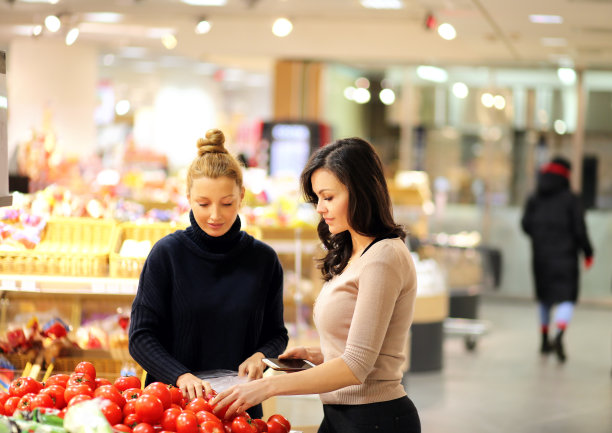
(580,229)
(149,313)
(274,337)
(379,288)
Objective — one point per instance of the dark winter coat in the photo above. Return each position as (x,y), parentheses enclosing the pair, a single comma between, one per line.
(554,220)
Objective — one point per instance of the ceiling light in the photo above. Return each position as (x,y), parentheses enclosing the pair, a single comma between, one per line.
(382,4)
(123,107)
(202,27)
(447,31)
(499,102)
(545,19)
(349,92)
(169,41)
(53,23)
(553,42)
(37,30)
(560,127)
(72,36)
(205,2)
(361,95)
(487,100)
(387,96)
(102,17)
(460,90)
(432,73)
(282,27)
(566,75)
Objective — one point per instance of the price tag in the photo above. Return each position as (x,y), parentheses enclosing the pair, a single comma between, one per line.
(29,285)
(8,284)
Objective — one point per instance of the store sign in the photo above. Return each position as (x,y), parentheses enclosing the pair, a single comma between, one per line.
(5,198)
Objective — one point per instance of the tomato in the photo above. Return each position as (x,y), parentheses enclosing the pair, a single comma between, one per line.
(126,382)
(131,420)
(111,411)
(24,385)
(78,399)
(110,393)
(168,420)
(241,424)
(204,416)
(176,394)
(143,427)
(149,408)
(86,368)
(220,411)
(129,407)
(42,400)
(57,379)
(261,425)
(198,404)
(73,390)
(101,381)
(161,391)
(25,403)
(131,393)
(122,427)
(10,405)
(4,396)
(56,393)
(78,378)
(281,420)
(212,427)
(187,422)
(227,425)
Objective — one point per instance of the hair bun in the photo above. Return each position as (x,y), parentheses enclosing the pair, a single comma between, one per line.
(213,143)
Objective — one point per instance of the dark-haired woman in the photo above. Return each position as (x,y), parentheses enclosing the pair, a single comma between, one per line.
(211,296)
(365,308)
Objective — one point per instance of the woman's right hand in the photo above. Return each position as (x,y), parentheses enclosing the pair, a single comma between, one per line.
(312,354)
(192,386)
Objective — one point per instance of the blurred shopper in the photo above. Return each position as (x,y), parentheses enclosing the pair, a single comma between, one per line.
(365,308)
(211,296)
(554,220)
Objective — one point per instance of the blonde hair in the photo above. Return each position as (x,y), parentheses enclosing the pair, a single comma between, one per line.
(214,160)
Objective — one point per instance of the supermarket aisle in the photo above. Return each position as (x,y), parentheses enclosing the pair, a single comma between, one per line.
(505,386)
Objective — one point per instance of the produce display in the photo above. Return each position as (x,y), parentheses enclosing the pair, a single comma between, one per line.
(81,402)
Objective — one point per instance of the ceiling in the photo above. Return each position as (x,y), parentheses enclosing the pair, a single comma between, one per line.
(489,32)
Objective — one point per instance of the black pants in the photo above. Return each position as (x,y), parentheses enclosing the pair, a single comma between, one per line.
(394,416)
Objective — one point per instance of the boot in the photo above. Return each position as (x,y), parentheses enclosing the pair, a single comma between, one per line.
(559,350)
(546,347)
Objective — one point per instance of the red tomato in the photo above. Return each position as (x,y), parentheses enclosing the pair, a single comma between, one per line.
(56,393)
(261,425)
(161,391)
(198,404)
(42,400)
(275,427)
(143,427)
(281,420)
(149,408)
(10,405)
(129,407)
(187,422)
(1,409)
(126,382)
(87,368)
(241,424)
(220,411)
(168,420)
(101,381)
(110,392)
(204,416)
(4,396)
(78,378)
(78,399)
(122,427)
(25,403)
(57,379)
(131,420)
(212,427)
(176,394)
(73,390)
(111,411)
(131,393)
(24,385)
(227,425)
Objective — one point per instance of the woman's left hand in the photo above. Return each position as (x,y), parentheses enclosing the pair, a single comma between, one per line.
(241,397)
(252,366)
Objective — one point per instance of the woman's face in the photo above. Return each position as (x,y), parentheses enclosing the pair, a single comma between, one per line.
(215,203)
(333,199)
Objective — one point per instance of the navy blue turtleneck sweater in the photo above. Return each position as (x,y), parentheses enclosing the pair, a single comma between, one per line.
(206,303)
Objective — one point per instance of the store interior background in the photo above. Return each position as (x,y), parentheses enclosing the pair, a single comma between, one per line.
(555,80)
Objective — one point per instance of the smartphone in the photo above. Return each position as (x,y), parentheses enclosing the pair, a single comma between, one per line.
(288,364)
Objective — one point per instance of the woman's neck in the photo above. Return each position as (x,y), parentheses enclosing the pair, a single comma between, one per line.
(360,243)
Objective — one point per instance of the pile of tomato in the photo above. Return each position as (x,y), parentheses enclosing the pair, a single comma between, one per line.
(158,408)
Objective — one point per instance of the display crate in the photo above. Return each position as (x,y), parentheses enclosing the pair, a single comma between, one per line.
(69,247)
(130,266)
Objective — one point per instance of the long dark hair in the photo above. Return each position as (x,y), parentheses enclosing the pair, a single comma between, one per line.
(356,165)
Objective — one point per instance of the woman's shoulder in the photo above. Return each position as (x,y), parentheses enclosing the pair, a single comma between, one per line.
(389,249)
(261,247)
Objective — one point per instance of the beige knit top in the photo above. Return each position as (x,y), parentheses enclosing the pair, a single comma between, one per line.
(363,316)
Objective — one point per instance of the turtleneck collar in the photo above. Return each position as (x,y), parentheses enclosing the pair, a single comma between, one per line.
(214,244)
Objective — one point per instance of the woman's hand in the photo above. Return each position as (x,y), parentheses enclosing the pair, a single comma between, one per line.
(240,397)
(192,386)
(312,354)
(252,366)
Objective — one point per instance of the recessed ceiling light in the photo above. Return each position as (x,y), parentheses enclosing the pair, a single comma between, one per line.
(447,31)
(282,27)
(205,2)
(546,19)
(382,4)
(102,17)
(53,23)
(202,27)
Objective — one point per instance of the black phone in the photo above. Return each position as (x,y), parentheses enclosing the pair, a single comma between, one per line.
(288,364)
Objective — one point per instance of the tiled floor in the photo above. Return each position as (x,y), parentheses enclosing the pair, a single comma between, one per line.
(505,386)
